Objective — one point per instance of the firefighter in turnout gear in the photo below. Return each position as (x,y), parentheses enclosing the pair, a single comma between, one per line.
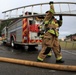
(50,37)
(59,25)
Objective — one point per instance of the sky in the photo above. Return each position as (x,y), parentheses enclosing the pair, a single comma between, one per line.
(69,23)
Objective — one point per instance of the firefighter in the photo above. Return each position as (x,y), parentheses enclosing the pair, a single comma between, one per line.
(59,25)
(50,38)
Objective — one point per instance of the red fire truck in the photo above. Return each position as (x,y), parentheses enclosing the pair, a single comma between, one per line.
(23,32)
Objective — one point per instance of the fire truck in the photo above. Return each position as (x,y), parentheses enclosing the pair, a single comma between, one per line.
(22,32)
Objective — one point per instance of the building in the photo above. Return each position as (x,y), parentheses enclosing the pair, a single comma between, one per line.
(71,37)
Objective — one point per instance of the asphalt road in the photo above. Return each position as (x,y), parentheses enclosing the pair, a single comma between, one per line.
(15,69)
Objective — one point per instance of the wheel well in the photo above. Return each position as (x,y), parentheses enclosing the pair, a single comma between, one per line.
(12,38)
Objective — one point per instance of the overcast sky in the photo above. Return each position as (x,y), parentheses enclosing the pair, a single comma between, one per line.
(69,23)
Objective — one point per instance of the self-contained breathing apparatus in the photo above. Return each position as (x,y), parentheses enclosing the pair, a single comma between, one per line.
(43,27)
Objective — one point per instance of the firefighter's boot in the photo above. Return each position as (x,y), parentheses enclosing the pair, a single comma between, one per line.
(60,61)
(39,60)
(49,54)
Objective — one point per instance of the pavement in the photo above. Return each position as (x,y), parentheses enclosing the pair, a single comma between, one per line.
(15,69)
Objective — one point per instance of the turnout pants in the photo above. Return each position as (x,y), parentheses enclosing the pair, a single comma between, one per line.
(50,41)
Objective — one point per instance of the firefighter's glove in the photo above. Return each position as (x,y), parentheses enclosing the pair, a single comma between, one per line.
(60,16)
(40,33)
(51,2)
(59,23)
(47,29)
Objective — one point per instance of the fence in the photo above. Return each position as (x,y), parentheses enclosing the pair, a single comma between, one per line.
(70,45)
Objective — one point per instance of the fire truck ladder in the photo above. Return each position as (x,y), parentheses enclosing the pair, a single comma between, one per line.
(64,8)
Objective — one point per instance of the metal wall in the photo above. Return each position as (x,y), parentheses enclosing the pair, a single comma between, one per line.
(16,28)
